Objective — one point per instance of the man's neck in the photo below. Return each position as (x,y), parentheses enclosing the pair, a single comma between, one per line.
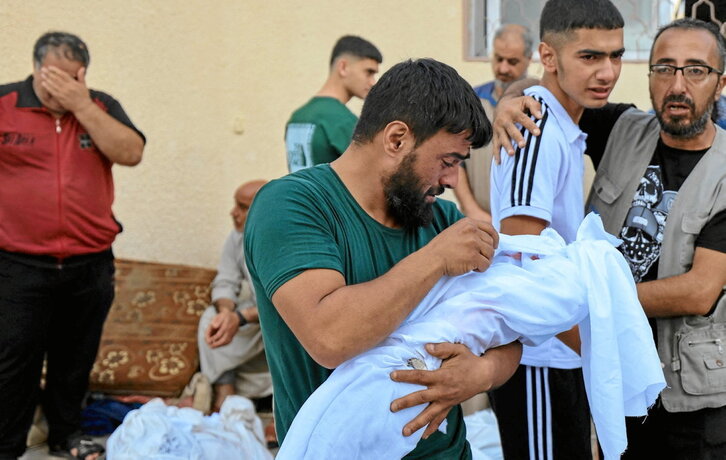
(701,141)
(334,89)
(573,109)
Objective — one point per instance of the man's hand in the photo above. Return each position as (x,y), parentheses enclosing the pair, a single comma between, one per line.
(222,329)
(455,381)
(70,92)
(509,112)
(224,325)
(461,376)
(467,245)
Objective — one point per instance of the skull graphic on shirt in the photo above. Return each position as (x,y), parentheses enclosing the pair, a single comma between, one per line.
(642,232)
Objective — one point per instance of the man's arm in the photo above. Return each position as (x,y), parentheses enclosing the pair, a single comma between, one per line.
(225,292)
(334,321)
(692,293)
(119,143)
(466,199)
(227,283)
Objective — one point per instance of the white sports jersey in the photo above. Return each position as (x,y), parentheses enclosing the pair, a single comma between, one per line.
(544,180)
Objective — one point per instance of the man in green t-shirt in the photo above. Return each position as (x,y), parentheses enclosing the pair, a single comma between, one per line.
(320,131)
(341,253)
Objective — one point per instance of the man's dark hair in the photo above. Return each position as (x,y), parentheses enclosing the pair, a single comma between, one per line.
(695,24)
(358,47)
(70,46)
(428,96)
(566,16)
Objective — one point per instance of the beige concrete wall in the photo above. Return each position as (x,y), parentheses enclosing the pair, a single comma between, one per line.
(211,83)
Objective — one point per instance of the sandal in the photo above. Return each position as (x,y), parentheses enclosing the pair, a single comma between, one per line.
(84,446)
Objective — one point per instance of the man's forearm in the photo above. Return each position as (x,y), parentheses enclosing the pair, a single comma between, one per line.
(675,296)
(499,364)
(224,304)
(117,142)
(692,293)
(355,318)
(517,88)
(467,201)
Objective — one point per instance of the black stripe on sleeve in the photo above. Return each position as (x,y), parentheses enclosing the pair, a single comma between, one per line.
(535,154)
(528,163)
(517,154)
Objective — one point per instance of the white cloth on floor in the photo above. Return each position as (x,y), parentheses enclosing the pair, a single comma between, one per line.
(156,431)
(587,283)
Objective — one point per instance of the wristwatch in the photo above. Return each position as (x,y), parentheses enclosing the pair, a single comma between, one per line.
(242,320)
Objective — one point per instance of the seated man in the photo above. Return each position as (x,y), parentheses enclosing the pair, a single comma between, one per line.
(230,342)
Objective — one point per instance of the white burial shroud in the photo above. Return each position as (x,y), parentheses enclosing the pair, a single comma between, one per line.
(586,282)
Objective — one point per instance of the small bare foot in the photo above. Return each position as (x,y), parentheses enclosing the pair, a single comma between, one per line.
(271,435)
(93,456)
(221,391)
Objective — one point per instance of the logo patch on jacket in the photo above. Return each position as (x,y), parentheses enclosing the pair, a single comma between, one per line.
(17,139)
(85,141)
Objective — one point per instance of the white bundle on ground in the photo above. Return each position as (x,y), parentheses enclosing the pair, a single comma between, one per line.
(587,283)
(156,431)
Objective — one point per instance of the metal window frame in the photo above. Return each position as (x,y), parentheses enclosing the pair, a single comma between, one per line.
(490,10)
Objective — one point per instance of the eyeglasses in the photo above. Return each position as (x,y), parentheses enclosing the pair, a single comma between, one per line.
(693,73)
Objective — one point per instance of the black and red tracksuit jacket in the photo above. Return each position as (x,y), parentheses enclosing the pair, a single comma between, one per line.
(56,187)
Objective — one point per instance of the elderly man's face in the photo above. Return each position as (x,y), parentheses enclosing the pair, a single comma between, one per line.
(509,61)
(683,106)
(242,202)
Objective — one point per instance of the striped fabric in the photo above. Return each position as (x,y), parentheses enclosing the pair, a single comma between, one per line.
(539,413)
(525,162)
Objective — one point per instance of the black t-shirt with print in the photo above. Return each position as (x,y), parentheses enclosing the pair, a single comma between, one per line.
(642,231)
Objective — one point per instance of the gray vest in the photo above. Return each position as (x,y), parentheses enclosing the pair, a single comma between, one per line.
(691,348)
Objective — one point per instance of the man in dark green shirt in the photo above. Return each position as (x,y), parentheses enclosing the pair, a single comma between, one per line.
(320,131)
(340,254)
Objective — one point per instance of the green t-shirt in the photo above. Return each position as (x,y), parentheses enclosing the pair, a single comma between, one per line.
(318,132)
(309,220)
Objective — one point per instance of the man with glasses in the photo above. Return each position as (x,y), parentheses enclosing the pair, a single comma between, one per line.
(661,187)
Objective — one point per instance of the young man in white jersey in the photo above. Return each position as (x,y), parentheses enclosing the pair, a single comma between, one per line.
(543,410)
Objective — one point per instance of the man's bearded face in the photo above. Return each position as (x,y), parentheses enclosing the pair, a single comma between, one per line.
(406,195)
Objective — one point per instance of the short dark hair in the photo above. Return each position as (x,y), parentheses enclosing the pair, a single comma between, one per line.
(566,16)
(693,24)
(428,96)
(359,47)
(72,46)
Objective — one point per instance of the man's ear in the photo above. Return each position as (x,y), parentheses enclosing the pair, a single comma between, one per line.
(397,139)
(341,66)
(548,57)
(719,87)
